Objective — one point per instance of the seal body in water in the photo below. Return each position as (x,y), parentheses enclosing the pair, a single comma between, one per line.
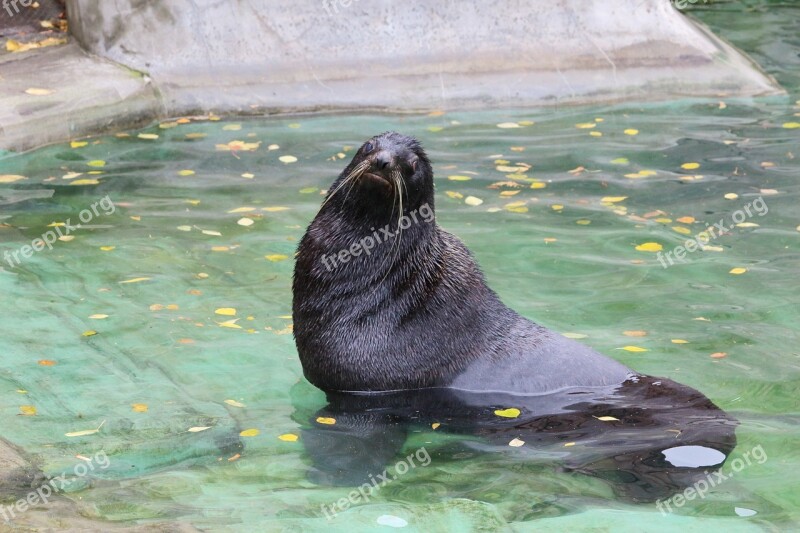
(385,299)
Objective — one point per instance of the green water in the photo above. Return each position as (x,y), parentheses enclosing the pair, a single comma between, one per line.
(558,253)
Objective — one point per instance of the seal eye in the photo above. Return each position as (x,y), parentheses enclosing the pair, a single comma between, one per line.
(368,147)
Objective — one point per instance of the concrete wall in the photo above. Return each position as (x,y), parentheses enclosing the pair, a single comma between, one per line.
(286,55)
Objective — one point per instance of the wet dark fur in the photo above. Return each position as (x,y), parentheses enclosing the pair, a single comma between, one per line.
(417,312)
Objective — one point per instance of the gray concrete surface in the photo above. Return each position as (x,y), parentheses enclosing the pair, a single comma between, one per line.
(155,59)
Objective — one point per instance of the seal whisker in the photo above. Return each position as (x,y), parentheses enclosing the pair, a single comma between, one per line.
(356,173)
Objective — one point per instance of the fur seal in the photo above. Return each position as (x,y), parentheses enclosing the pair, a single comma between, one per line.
(386,300)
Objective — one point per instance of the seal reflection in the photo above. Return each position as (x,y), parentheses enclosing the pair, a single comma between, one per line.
(616,434)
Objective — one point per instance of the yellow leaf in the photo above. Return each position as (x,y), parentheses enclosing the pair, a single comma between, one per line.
(98,317)
(275,209)
(454,195)
(243,210)
(538,185)
(78,144)
(107,248)
(186,172)
(288,437)
(230,324)
(198,429)
(27,410)
(239,146)
(287,159)
(508,125)
(568,444)
(585,125)
(87,181)
(649,247)
(435,425)
(226,311)
(89,333)
(473,201)
(97,163)
(139,407)
(325,420)
(148,136)
(791,125)
(37,91)
(232,127)
(516,443)
(738,270)
(607,418)
(249,433)
(690,166)
(234,403)
(633,349)
(511,412)
(506,194)
(134,280)
(246,222)
(679,341)
(571,335)
(596,133)
(613,199)
(583,222)
(685,220)
(248,175)
(731,196)
(308,190)
(631,131)
(276,257)
(681,230)
(620,161)
(11,178)
(458,178)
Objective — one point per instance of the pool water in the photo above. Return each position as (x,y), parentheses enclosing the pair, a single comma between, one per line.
(165,319)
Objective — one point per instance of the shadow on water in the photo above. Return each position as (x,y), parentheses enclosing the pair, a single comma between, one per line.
(648,439)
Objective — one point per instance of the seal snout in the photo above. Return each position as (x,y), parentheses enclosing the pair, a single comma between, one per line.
(384,161)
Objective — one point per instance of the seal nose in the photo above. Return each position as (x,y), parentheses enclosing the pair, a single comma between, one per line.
(383,160)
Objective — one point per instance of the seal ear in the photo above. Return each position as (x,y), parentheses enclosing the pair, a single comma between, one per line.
(414,164)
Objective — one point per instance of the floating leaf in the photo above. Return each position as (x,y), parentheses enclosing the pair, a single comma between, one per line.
(107,248)
(198,429)
(649,247)
(85,432)
(511,412)
(234,403)
(287,159)
(679,341)
(458,178)
(98,316)
(607,418)
(326,420)
(474,201)
(635,333)
(239,146)
(27,410)
(571,335)
(690,166)
(718,355)
(633,349)
(87,181)
(391,521)
(148,136)
(47,362)
(212,233)
(737,271)
(89,333)
(288,437)
(516,443)
(308,190)
(435,425)
(186,172)
(243,210)
(226,311)
(249,433)
(620,161)
(230,324)
(791,125)
(276,257)
(11,178)
(78,144)
(139,407)
(686,220)
(613,199)
(246,222)
(135,280)
(275,209)
(508,125)
(731,196)
(631,131)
